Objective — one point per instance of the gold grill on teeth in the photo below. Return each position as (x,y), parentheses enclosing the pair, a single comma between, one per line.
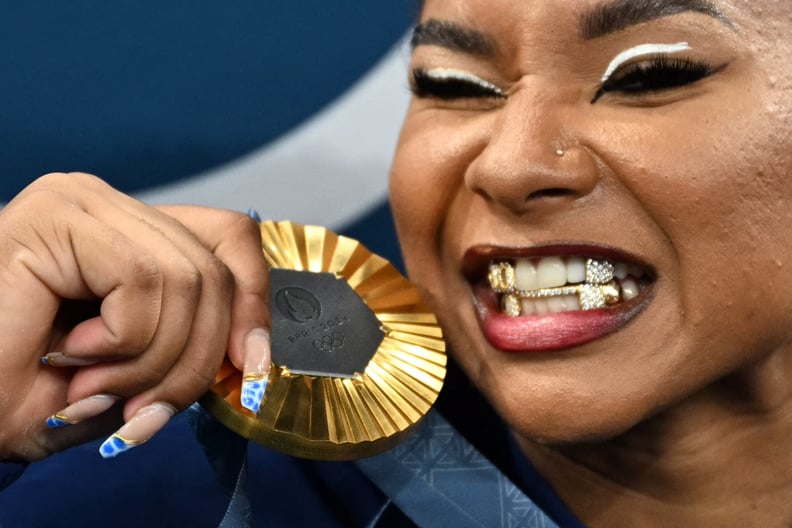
(598,291)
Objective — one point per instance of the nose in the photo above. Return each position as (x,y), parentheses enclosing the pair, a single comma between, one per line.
(530,159)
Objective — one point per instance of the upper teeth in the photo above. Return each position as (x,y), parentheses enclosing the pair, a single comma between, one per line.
(549,272)
(591,281)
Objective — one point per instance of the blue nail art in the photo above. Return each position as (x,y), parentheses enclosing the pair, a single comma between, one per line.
(56,420)
(115,445)
(252,393)
(252,213)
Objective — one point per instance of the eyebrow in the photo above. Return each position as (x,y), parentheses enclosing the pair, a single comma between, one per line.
(452,36)
(611,17)
(603,19)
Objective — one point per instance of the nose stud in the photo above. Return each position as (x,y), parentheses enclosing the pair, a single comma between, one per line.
(559,152)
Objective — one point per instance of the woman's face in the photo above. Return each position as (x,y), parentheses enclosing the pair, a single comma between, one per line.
(651,136)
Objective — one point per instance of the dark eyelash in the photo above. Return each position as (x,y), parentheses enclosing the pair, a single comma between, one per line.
(424,85)
(655,75)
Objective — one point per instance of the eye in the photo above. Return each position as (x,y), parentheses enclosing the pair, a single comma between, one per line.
(654,75)
(448,85)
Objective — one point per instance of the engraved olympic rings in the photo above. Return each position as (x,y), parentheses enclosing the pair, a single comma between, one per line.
(328,343)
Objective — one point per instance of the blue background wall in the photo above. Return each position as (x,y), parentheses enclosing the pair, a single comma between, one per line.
(146,92)
(291,107)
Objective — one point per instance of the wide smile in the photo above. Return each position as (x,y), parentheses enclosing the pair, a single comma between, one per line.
(556,300)
(555,284)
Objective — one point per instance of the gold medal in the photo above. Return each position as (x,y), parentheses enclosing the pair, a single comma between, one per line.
(358,359)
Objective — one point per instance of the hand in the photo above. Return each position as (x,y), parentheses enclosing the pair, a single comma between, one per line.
(133,307)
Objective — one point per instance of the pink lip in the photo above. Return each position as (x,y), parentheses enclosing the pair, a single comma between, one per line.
(553,331)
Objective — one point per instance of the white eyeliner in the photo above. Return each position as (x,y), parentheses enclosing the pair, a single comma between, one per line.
(443,74)
(639,51)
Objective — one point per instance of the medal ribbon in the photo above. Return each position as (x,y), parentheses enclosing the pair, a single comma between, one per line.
(435,474)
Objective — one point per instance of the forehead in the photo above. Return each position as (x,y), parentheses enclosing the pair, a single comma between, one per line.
(760,26)
(486,12)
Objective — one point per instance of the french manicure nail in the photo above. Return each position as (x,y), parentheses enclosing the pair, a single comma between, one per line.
(145,424)
(82,410)
(59,359)
(256,372)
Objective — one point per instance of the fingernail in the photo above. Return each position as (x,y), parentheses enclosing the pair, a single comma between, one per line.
(256,372)
(252,213)
(59,359)
(145,424)
(82,410)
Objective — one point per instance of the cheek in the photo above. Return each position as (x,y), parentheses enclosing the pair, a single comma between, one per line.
(426,177)
(720,192)
(411,201)
(726,202)
(723,180)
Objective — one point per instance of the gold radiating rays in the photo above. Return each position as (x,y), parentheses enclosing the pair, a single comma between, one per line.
(335,418)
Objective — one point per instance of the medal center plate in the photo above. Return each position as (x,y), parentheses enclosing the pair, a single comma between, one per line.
(320,326)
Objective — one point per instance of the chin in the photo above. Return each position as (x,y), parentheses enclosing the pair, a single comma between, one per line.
(565,434)
(562,409)
(560,427)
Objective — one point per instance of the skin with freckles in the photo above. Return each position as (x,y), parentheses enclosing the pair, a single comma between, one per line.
(680,163)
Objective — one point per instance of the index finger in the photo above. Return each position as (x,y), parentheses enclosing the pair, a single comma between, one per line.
(235,239)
